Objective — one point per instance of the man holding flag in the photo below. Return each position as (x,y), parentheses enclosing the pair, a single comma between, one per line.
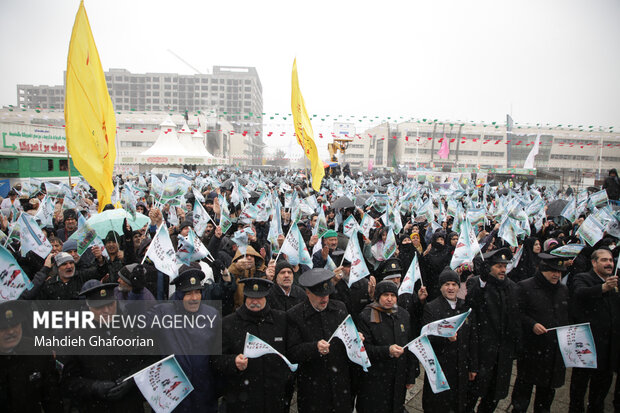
(263,384)
(386,329)
(323,377)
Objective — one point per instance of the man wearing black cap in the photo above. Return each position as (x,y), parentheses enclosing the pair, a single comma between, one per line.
(456,355)
(323,376)
(386,329)
(96,381)
(544,304)
(27,383)
(595,300)
(131,284)
(283,294)
(262,384)
(494,300)
(115,260)
(70,224)
(192,346)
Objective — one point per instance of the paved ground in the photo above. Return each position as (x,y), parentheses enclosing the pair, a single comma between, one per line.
(560,403)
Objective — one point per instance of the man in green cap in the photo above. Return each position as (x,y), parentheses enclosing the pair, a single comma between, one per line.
(330,243)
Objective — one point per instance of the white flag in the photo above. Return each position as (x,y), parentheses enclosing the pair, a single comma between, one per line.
(295,248)
(413,274)
(466,247)
(255,347)
(577,346)
(164,384)
(13,280)
(353,254)
(162,253)
(423,350)
(32,238)
(446,327)
(529,162)
(347,332)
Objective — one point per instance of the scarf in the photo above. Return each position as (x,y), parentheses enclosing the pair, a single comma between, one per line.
(375,309)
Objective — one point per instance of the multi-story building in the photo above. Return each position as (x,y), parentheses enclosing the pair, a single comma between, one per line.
(569,153)
(235,93)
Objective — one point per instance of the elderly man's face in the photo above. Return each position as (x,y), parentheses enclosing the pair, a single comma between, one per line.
(255,304)
(387,300)
(285,278)
(191,300)
(332,243)
(66,270)
(317,301)
(10,338)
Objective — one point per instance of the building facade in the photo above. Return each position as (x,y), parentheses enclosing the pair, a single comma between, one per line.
(565,152)
(235,93)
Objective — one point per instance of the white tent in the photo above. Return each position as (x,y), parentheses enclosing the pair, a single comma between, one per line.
(167,143)
(199,144)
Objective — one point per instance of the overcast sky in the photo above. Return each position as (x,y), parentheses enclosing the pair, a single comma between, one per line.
(551,61)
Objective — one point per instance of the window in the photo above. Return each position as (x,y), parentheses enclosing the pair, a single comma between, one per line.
(42,165)
(494,154)
(9,164)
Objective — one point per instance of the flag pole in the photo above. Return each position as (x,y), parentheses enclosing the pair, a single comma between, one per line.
(69,166)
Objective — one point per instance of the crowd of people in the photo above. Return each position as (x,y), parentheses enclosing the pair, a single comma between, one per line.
(295,305)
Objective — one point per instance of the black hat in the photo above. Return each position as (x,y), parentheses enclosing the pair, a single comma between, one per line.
(339,259)
(126,272)
(317,280)
(282,264)
(256,287)
(69,213)
(111,237)
(448,275)
(210,197)
(189,278)
(98,294)
(11,313)
(392,266)
(500,256)
(550,262)
(385,286)
(186,224)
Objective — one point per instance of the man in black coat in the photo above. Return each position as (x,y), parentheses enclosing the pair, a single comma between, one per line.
(262,384)
(456,355)
(386,329)
(284,294)
(595,300)
(356,297)
(494,300)
(612,185)
(543,301)
(27,383)
(323,376)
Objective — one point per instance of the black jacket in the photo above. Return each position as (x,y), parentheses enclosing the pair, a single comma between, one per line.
(455,357)
(266,384)
(602,311)
(382,389)
(498,329)
(540,361)
(277,300)
(323,381)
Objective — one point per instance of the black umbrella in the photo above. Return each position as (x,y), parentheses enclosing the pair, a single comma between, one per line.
(593,189)
(556,207)
(342,203)
(360,199)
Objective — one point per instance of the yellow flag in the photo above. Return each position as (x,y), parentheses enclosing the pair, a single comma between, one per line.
(303,131)
(89,114)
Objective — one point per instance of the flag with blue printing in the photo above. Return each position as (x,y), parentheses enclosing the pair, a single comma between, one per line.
(577,345)
(348,334)
(32,238)
(295,248)
(568,251)
(514,262)
(446,327)
(353,254)
(164,384)
(367,224)
(389,247)
(69,203)
(467,246)
(350,225)
(591,230)
(46,212)
(162,253)
(423,350)
(598,199)
(13,280)
(84,237)
(191,248)
(200,218)
(254,347)
(411,277)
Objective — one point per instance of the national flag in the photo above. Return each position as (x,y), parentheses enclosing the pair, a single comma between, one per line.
(353,254)
(348,334)
(89,113)
(164,384)
(295,248)
(303,131)
(411,277)
(13,280)
(162,253)
(254,347)
(32,238)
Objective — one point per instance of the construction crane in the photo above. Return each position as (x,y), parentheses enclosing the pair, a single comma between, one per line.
(183,60)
